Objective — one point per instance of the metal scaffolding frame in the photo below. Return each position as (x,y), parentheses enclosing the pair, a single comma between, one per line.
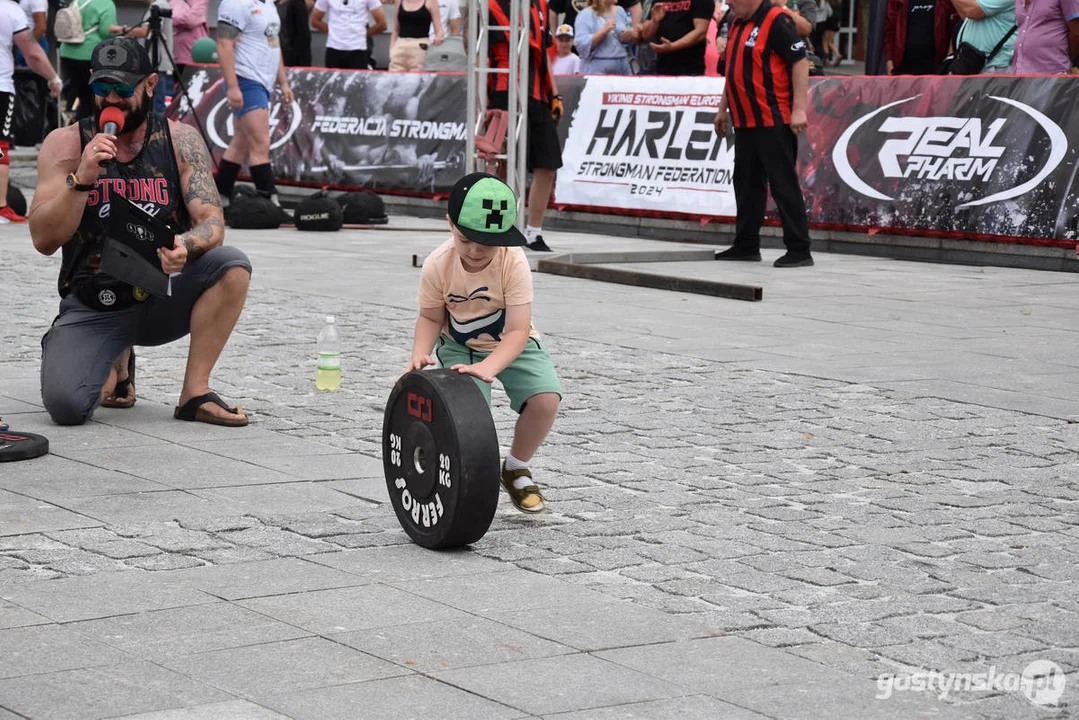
(479,72)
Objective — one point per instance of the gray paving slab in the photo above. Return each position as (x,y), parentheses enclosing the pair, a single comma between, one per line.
(229,710)
(41,649)
(156,506)
(292,497)
(722,667)
(58,480)
(181,468)
(348,609)
(103,595)
(283,576)
(492,593)
(13,616)
(175,632)
(690,707)
(20,515)
(260,671)
(465,641)
(589,626)
(393,699)
(104,692)
(408,562)
(575,682)
(828,700)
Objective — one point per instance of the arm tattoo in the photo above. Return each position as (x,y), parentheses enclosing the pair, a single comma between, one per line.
(192,151)
(201,233)
(227,32)
(200,195)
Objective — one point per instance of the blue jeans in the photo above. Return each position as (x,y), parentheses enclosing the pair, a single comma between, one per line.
(164,89)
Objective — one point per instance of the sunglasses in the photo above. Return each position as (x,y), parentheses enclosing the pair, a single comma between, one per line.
(102,89)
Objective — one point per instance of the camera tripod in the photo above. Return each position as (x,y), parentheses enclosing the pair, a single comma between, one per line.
(156,45)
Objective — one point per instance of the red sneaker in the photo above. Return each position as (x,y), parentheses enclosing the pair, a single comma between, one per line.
(7,215)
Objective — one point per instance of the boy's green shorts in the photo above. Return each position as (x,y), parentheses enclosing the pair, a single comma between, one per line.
(530,374)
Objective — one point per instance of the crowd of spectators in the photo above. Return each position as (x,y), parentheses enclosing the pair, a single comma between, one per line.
(913,37)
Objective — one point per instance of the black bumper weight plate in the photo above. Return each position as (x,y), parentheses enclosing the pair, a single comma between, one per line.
(21,446)
(440,455)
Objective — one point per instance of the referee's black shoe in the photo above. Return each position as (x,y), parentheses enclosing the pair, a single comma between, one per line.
(792,259)
(538,245)
(739,253)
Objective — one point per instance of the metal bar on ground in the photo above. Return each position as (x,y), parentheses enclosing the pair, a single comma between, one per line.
(735,291)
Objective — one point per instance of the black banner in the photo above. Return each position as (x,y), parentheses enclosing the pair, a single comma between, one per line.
(401,132)
(977,156)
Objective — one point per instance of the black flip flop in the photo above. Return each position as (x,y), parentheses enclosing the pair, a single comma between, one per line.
(192,411)
(123,395)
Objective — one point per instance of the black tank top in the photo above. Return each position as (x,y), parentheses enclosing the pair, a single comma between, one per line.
(151,180)
(413,23)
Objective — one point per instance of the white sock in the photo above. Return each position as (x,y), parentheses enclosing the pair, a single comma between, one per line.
(531,233)
(513,463)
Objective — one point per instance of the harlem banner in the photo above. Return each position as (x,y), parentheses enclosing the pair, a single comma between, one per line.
(650,146)
(401,132)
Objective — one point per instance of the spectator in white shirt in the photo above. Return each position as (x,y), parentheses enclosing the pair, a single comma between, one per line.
(449,12)
(348,41)
(566,62)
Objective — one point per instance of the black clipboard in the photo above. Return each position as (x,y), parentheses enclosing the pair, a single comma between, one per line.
(132,238)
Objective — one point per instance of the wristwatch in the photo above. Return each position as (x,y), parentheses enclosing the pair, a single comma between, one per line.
(74,184)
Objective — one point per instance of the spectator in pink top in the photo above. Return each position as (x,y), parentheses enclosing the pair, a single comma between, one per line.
(188,25)
(1048,40)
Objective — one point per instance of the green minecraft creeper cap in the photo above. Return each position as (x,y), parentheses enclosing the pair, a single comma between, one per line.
(484,209)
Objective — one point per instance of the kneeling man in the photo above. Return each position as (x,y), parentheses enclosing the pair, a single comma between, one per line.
(163,166)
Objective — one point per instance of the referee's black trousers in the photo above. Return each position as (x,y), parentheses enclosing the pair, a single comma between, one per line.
(766,157)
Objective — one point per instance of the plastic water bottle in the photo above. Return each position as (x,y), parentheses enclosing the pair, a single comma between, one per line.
(328,375)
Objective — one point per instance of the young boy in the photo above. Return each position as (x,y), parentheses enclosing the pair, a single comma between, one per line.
(476,312)
(566,62)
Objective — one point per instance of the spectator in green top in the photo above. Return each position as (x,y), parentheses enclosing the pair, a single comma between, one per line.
(985,24)
(97,17)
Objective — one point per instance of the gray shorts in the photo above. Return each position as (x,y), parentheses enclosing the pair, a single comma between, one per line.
(80,347)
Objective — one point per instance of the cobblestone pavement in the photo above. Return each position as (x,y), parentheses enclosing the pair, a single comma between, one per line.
(871,530)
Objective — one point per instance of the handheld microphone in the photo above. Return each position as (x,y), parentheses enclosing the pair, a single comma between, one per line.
(111,121)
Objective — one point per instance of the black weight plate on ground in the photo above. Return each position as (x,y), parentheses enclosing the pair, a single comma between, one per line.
(440,455)
(21,446)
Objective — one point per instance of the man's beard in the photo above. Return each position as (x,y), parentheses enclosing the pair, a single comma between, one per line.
(133,119)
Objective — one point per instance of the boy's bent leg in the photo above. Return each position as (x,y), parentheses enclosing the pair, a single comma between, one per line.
(533,424)
(77,354)
(535,392)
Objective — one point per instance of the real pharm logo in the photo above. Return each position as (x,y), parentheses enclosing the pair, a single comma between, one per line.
(944,148)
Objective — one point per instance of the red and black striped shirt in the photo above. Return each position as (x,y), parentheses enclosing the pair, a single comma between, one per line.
(498,49)
(760,53)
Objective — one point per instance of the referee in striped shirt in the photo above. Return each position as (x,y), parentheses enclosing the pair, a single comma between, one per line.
(767,79)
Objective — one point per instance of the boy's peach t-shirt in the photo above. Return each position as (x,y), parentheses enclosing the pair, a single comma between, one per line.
(475,302)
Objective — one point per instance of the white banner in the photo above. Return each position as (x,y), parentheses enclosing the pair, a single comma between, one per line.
(648,146)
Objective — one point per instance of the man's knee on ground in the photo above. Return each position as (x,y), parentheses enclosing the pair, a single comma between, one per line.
(69,406)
